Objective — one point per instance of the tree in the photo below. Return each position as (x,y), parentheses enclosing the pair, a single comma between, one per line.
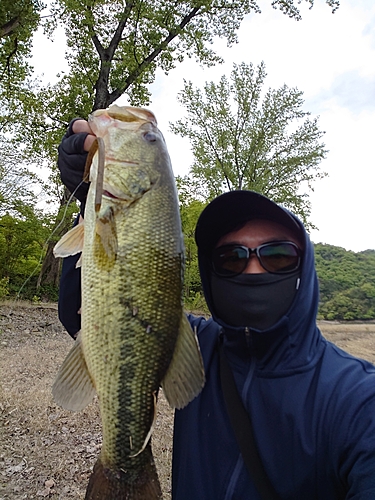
(190,209)
(20,190)
(18,21)
(114,48)
(50,270)
(22,239)
(18,18)
(17,183)
(241,140)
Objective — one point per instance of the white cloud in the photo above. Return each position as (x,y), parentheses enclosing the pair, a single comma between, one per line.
(350,90)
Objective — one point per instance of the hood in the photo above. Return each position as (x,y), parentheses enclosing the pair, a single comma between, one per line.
(293,342)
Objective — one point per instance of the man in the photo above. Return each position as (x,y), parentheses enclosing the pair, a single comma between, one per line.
(311,406)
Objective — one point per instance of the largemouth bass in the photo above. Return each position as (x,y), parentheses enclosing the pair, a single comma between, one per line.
(135,336)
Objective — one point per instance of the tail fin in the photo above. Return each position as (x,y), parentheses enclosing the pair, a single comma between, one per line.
(111,484)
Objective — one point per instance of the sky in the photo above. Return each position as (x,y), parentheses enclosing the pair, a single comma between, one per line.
(331,58)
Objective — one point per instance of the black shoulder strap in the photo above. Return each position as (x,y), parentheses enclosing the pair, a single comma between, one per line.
(243,430)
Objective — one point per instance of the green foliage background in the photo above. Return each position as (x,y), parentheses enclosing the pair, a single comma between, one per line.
(347,283)
(24,236)
(21,248)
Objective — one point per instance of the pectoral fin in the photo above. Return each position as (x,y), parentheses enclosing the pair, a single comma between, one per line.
(106,238)
(185,376)
(73,388)
(71,243)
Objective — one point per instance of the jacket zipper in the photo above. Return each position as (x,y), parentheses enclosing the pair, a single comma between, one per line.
(248,338)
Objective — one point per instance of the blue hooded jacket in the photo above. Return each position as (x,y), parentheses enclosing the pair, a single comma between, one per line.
(312,407)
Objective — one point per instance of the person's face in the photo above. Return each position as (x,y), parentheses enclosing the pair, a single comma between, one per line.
(255,233)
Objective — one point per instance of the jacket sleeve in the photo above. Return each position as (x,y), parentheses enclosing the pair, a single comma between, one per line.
(71,162)
(196,322)
(69,302)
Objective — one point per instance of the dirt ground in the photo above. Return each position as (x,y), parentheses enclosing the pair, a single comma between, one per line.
(48,452)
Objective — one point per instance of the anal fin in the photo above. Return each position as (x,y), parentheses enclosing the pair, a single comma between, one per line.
(73,388)
(185,376)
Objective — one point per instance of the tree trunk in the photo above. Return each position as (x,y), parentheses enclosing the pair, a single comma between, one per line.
(51,266)
(50,272)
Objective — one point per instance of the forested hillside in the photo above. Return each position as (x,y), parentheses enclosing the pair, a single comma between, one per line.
(347,283)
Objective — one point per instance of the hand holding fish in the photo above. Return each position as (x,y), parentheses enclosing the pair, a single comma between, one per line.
(72,157)
(81,126)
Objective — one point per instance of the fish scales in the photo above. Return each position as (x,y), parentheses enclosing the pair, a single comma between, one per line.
(132,298)
(132,318)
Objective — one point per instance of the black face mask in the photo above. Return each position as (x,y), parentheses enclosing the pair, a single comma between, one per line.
(253,300)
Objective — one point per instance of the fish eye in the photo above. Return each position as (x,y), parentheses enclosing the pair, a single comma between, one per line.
(150,137)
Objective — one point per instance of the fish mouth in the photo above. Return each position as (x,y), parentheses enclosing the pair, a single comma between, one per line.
(110,195)
(115,195)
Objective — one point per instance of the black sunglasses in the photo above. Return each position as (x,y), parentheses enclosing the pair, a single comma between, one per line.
(278,257)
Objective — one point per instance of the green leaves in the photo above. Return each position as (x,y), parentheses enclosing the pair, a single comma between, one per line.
(17,183)
(347,283)
(18,21)
(287,7)
(190,210)
(21,247)
(245,138)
